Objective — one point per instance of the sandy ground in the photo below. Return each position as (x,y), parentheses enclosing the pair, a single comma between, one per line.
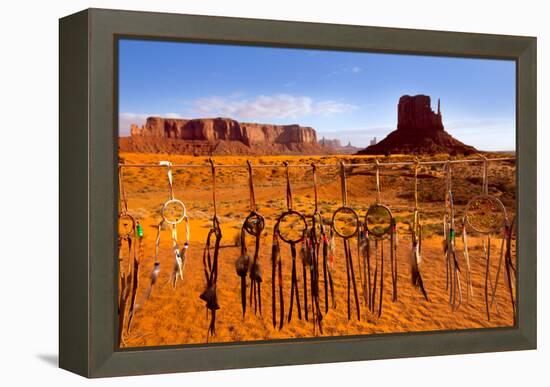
(178,316)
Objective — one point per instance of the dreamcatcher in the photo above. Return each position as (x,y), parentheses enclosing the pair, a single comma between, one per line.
(253,225)
(311,247)
(452,267)
(129,276)
(345,223)
(487,215)
(290,227)
(173,213)
(379,225)
(210,261)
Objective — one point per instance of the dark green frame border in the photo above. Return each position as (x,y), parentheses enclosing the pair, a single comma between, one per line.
(88,158)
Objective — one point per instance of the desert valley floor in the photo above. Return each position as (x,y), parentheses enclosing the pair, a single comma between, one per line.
(178,316)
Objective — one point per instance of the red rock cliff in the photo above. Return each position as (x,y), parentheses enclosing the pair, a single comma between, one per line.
(415,114)
(220,136)
(225,129)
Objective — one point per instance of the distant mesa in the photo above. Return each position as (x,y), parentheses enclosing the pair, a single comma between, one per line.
(222,136)
(336,146)
(419,131)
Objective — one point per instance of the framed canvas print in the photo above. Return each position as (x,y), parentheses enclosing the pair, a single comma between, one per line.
(245,193)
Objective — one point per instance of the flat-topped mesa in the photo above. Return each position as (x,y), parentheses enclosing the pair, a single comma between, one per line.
(415,114)
(224,129)
(220,136)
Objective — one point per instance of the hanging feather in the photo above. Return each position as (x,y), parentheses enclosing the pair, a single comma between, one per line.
(241,266)
(416,259)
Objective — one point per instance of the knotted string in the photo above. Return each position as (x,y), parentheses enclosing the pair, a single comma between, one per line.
(377,172)
(343,184)
(288,189)
(251,187)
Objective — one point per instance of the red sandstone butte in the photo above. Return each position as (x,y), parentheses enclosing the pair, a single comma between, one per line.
(419,131)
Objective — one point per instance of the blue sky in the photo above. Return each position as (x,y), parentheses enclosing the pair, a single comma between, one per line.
(347,95)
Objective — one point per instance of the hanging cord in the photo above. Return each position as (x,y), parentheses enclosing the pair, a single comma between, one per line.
(288,188)
(251,187)
(350,272)
(122,195)
(416,252)
(453,284)
(485,177)
(210,262)
(343,184)
(377,172)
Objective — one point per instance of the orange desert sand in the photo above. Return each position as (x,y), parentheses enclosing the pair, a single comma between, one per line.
(178,316)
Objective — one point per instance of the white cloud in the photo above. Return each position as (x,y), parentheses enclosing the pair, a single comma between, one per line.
(356,69)
(278,106)
(172,115)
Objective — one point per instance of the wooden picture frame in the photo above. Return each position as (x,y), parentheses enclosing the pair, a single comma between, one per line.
(88,192)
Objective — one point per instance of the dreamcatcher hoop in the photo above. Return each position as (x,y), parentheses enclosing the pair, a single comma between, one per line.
(131,230)
(377,207)
(302,219)
(371,230)
(355,217)
(179,219)
(487,198)
(254,224)
(345,208)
